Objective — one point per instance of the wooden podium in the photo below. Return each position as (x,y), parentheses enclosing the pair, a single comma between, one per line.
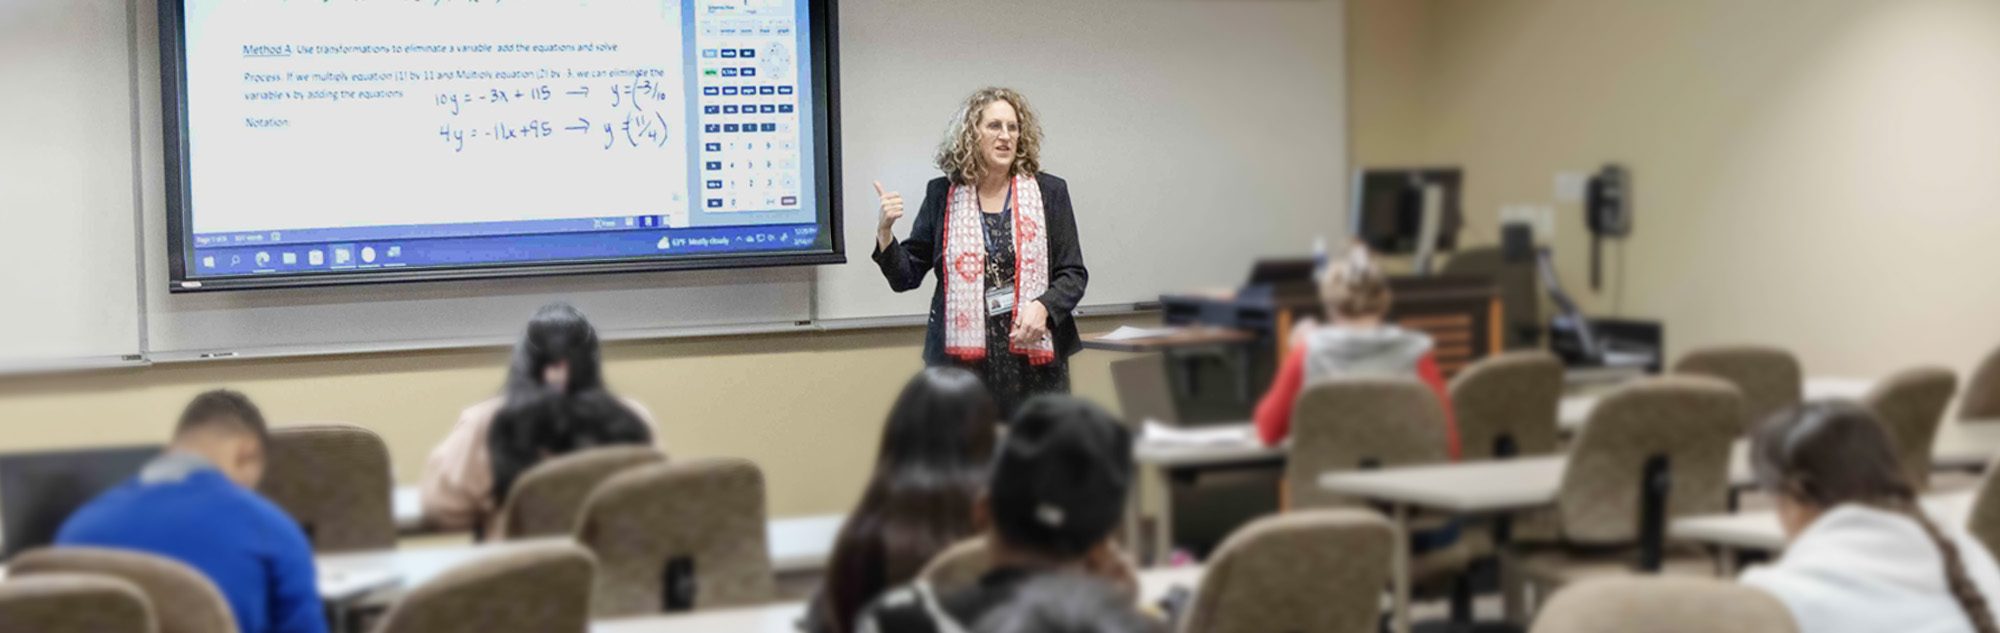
(1462,314)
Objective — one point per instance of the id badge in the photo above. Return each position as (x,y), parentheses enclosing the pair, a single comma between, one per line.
(1000,300)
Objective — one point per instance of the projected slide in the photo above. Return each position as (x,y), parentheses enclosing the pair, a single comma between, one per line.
(344,137)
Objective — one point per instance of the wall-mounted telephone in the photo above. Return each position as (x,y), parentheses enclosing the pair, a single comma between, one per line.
(1608,211)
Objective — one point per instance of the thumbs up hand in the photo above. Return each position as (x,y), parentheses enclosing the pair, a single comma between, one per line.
(892,210)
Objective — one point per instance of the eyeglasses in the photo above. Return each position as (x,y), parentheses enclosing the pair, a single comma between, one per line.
(996,127)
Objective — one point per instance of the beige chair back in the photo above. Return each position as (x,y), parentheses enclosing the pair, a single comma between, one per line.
(1317,570)
(1353,422)
(707,512)
(542,588)
(1690,420)
(1912,403)
(1770,378)
(1513,395)
(958,566)
(548,499)
(1984,519)
(333,478)
(1982,393)
(184,600)
(1663,604)
(73,603)
(965,562)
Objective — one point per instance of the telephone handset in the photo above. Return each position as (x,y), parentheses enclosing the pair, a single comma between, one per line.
(1608,211)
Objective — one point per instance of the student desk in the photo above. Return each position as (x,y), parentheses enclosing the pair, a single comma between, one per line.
(1510,486)
(1154,584)
(1965,445)
(1157,460)
(1575,409)
(1760,532)
(800,545)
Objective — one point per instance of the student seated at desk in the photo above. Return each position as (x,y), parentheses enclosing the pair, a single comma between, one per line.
(1057,491)
(196,503)
(556,371)
(1863,557)
(929,473)
(1356,342)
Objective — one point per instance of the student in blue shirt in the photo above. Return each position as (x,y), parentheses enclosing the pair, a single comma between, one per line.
(197,503)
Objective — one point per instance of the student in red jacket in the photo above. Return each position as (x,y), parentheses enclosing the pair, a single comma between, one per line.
(1356,341)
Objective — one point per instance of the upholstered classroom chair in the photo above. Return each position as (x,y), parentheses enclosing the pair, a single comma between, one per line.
(698,521)
(184,601)
(1984,519)
(1317,570)
(1982,392)
(958,566)
(1687,422)
(73,603)
(543,588)
(961,565)
(1508,401)
(1912,403)
(1357,423)
(1367,422)
(333,478)
(548,499)
(1769,378)
(1664,605)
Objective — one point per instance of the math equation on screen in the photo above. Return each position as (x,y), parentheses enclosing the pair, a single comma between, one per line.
(610,116)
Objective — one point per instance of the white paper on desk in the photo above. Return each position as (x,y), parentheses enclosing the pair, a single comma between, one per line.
(347,585)
(1129,333)
(1163,435)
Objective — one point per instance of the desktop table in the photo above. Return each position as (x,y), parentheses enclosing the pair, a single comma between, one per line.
(1760,531)
(1156,460)
(1575,410)
(798,545)
(1154,584)
(1511,486)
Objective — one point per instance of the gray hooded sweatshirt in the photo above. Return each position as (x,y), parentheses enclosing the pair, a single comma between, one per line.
(1387,350)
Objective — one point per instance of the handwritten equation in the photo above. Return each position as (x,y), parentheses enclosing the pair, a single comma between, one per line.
(633,119)
(634,130)
(634,94)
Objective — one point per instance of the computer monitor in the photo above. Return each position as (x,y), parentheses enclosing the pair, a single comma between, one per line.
(38,491)
(1388,213)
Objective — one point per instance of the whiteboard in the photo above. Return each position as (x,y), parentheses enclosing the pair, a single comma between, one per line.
(1195,136)
(424,315)
(68,265)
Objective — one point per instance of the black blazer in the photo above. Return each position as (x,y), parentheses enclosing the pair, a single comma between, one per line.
(905,263)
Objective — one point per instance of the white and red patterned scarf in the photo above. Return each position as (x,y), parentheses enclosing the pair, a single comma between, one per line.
(965,278)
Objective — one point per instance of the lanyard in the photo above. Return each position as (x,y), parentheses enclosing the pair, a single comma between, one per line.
(1006,208)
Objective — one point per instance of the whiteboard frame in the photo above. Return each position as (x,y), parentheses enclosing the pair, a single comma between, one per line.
(824,38)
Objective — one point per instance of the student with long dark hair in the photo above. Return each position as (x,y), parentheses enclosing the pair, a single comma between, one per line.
(1863,556)
(1055,494)
(929,472)
(554,401)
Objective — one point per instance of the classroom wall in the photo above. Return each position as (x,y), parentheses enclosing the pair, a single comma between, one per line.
(808,408)
(1817,174)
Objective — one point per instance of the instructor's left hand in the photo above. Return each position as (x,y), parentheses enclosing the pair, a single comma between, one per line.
(1031,323)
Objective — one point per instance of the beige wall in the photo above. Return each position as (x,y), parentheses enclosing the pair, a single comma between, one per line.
(807,408)
(1818,174)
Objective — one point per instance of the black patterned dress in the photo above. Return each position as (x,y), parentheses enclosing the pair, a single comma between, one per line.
(1009,376)
(907,263)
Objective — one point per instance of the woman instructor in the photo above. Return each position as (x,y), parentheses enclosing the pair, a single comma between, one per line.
(1001,237)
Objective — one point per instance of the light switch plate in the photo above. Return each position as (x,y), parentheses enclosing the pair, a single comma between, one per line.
(1570,186)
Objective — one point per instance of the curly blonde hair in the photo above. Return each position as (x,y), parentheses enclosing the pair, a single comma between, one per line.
(958,156)
(1356,288)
